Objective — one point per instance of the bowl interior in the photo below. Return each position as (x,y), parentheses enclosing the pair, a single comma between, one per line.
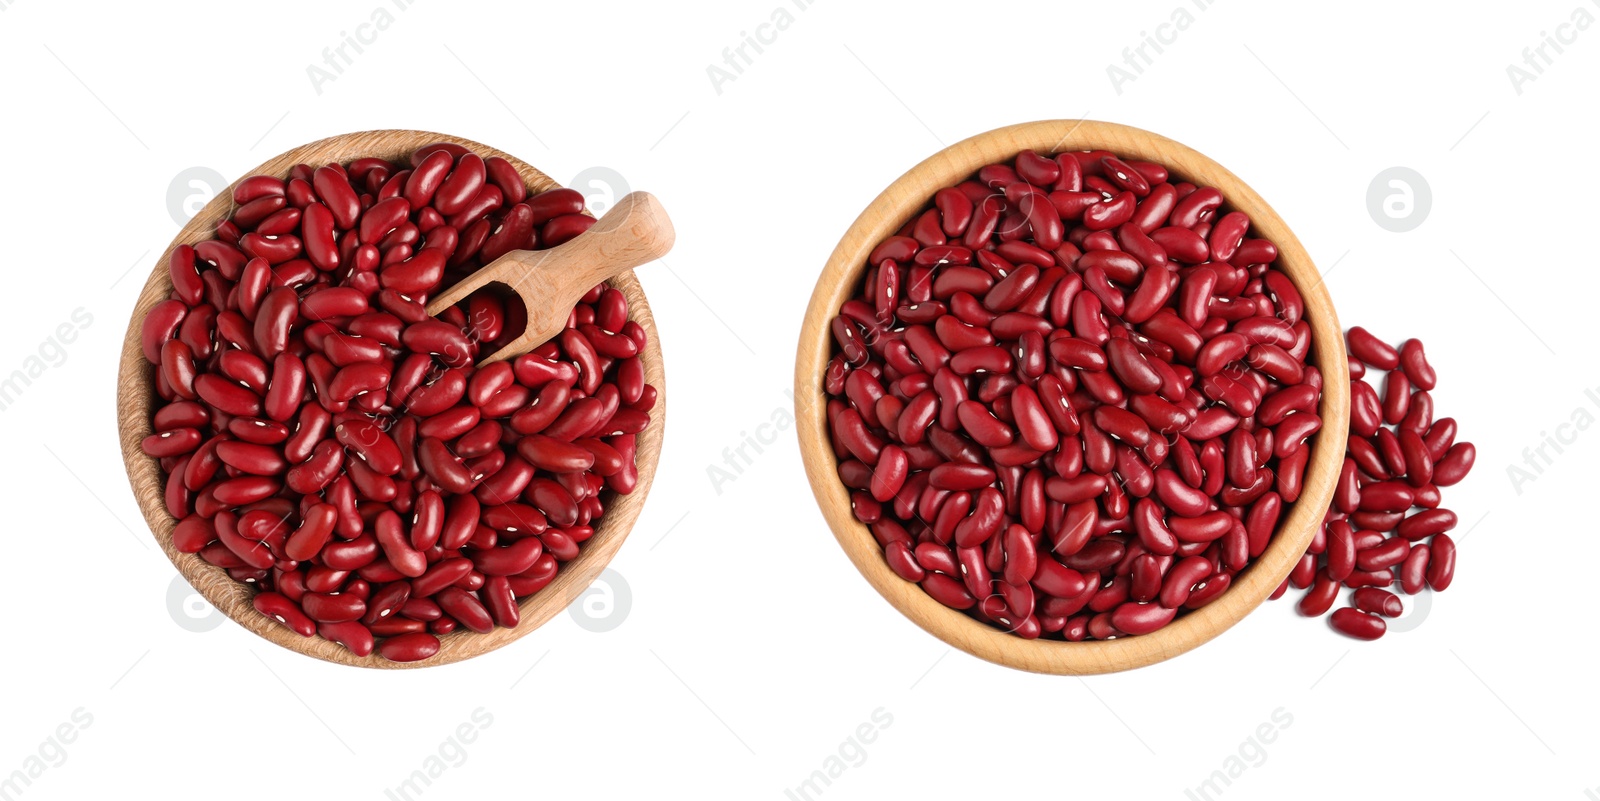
(136,396)
(840,279)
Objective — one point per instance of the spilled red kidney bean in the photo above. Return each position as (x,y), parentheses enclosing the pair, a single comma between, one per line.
(1386,525)
(327,442)
(1071,397)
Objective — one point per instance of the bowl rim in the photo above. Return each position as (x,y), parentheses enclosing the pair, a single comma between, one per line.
(135,397)
(909,195)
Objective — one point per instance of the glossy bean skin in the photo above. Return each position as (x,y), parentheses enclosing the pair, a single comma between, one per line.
(500,599)
(1372,351)
(1141,618)
(1319,599)
(1454,466)
(1357,624)
(1441,563)
(1413,571)
(333,607)
(371,444)
(1390,553)
(284,611)
(1414,361)
(355,637)
(1426,524)
(465,608)
(412,647)
(1181,579)
(160,325)
(948,591)
(1341,550)
(1376,601)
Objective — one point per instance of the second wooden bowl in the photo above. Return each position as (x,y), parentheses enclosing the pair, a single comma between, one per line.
(841,279)
(136,398)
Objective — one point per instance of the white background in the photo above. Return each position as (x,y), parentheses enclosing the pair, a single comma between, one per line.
(751,649)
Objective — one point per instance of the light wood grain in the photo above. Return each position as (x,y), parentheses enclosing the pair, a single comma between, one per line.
(136,396)
(634,232)
(841,279)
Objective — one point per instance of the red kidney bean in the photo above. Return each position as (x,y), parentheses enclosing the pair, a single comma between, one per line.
(1179,496)
(391,536)
(1441,562)
(1377,601)
(1439,437)
(1141,618)
(333,188)
(160,325)
(1341,551)
(315,531)
(1414,361)
(1316,602)
(1227,235)
(1387,496)
(890,473)
(509,560)
(1358,624)
(1131,367)
(1305,570)
(555,203)
(561,229)
(1291,433)
(1181,579)
(456,190)
(1110,213)
(1209,590)
(1196,207)
(465,608)
(955,212)
(1366,457)
(171,443)
(355,637)
(948,591)
(1418,463)
(1203,528)
(318,470)
(1145,578)
(245,457)
(1371,350)
(1455,464)
(1426,524)
(181,414)
(441,574)
(1413,571)
(1396,397)
(903,562)
(499,172)
(413,646)
(192,534)
(1390,553)
(332,607)
(285,611)
(1419,417)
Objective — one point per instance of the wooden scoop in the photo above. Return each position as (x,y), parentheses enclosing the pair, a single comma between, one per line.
(635,231)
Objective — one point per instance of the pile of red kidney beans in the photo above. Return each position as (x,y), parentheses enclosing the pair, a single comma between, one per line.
(328,442)
(1385,514)
(1072,399)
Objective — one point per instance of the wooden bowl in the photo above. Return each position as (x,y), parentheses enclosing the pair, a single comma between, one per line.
(841,279)
(135,396)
